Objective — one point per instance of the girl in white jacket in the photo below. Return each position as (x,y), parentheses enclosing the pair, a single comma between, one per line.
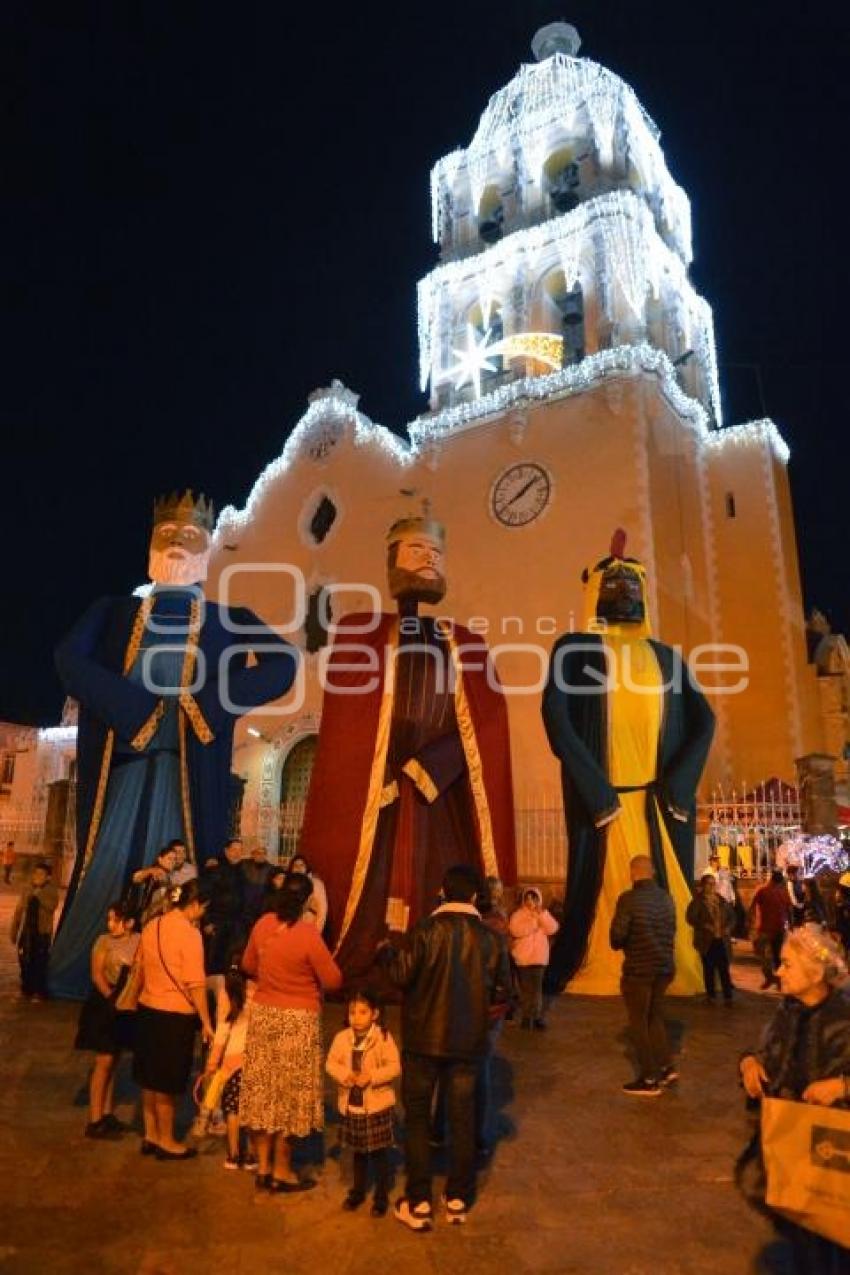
(364,1061)
(531,927)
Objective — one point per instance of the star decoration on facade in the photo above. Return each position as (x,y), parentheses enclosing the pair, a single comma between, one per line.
(472,361)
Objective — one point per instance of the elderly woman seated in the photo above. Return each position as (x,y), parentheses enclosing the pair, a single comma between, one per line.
(804,1056)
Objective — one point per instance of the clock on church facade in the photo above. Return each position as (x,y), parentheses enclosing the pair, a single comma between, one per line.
(520,494)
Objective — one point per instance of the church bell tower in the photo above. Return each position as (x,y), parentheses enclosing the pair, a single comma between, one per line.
(564,247)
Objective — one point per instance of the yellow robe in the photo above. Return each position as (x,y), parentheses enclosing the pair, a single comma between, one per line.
(635,703)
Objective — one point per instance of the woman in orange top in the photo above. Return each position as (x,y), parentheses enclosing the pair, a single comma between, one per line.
(282,1083)
(172,999)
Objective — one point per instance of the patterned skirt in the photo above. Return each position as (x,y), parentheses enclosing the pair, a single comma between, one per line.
(368,1133)
(282,1086)
(230,1094)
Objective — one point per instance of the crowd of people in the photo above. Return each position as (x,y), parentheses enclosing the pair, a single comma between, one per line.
(236,949)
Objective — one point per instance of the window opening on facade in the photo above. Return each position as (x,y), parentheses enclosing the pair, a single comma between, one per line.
(323,519)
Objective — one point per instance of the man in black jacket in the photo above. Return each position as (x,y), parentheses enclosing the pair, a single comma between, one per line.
(644,930)
(451,969)
(226,926)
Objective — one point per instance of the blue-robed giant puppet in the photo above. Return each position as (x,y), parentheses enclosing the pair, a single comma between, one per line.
(632,732)
(159,693)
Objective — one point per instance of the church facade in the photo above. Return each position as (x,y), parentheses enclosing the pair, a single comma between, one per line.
(573,389)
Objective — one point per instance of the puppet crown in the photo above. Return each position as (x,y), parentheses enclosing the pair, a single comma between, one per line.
(177,508)
(417,526)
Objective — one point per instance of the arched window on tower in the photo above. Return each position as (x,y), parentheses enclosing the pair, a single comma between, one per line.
(569,306)
(491,215)
(562,179)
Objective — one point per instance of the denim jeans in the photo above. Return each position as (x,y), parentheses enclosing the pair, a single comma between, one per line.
(419,1077)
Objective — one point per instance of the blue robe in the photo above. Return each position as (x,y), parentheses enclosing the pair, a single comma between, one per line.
(131,799)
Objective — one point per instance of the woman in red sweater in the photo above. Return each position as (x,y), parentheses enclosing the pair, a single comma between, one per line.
(282,1085)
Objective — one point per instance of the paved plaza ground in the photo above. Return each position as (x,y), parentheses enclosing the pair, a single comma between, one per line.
(584,1179)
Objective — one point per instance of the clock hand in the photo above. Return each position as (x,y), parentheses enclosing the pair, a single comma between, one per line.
(515,498)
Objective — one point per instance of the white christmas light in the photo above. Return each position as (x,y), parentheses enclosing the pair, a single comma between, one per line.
(591,371)
(57,734)
(561,97)
(640,262)
(751,432)
(335,406)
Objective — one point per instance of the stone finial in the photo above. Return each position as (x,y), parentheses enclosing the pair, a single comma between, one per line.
(556,37)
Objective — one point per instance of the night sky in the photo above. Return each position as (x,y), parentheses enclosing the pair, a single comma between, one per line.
(210,209)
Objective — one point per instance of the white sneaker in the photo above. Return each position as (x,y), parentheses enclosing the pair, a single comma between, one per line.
(418,1218)
(456,1211)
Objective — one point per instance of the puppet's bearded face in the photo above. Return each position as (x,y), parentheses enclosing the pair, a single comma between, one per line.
(416,569)
(620,595)
(179,553)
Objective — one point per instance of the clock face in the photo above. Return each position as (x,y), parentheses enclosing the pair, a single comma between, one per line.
(520,494)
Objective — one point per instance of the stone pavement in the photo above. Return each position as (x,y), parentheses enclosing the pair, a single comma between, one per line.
(585,1181)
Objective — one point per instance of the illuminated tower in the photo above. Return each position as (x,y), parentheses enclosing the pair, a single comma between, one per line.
(564,245)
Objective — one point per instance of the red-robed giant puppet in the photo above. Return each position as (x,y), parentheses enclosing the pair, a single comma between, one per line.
(413,770)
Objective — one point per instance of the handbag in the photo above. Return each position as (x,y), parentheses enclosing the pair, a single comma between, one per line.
(127,1000)
(806,1152)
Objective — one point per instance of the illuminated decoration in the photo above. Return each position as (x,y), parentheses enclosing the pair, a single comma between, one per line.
(561,98)
(592,371)
(545,347)
(474,360)
(762,431)
(636,260)
(337,406)
(814,854)
(57,734)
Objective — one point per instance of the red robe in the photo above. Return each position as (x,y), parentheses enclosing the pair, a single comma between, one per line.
(352,837)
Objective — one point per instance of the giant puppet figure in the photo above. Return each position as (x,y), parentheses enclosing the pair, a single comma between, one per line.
(159,692)
(413,770)
(632,733)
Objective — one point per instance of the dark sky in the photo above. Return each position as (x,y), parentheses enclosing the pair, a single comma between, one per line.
(209,209)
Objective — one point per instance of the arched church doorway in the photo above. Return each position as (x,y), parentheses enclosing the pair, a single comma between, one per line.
(294,786)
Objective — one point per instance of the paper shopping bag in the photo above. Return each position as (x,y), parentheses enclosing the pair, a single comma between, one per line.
(807,1160)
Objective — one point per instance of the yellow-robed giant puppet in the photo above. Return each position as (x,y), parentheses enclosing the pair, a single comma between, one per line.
(632,733)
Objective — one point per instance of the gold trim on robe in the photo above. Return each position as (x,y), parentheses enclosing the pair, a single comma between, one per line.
(473,765)
(144,736)
(185,797)
(376,787)
(186,675)
(134,642)
(417,772)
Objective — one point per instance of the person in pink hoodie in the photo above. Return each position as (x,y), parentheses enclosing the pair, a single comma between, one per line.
(531,927)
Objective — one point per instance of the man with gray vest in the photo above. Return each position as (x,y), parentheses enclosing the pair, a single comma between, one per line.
(644,930)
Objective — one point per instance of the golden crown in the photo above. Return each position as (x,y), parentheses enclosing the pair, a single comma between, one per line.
(177,508)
